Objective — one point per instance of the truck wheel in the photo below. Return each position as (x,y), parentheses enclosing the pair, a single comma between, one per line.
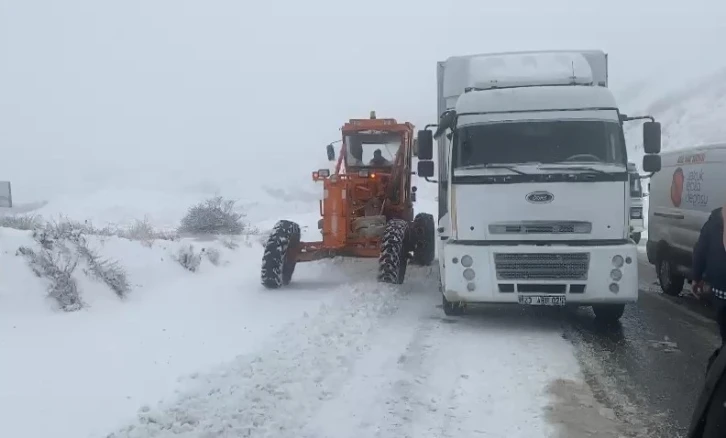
(451,308)
(671,282)
(424,239)
(394,257)
(278,260)
(608,313)
(635,237)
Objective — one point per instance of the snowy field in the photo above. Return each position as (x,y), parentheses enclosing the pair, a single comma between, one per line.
(209,353)
(212,353)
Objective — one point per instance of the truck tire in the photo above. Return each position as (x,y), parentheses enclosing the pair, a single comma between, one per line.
(608,313)
(424,239)
(451,308)
(671,282)
(394,257)
(635,237)
(278,260)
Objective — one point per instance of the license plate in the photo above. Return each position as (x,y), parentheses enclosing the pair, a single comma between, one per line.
(542,300)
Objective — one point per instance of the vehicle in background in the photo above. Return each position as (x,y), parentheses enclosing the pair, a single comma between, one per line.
(682,196)
(637,221)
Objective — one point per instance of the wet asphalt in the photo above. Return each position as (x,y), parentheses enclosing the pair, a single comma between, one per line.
(650,367)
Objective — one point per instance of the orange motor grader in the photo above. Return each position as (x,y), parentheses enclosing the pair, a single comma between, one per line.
(367,207)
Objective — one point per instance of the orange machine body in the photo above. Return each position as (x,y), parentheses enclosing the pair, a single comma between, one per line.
(357,192)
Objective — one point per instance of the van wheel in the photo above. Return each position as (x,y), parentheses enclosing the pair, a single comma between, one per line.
(671,282)
(635,237)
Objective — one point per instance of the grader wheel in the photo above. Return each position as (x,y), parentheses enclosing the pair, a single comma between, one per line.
(278,260)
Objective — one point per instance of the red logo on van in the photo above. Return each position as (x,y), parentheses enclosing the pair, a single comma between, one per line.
(677,187)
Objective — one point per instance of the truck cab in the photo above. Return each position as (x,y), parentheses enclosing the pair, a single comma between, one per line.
(534,189)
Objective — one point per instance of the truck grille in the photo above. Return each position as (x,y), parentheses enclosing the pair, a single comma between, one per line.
(541,227)
(542,266)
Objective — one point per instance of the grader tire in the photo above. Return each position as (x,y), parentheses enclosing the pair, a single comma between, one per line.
(424,235)
(278,260)
(394,256)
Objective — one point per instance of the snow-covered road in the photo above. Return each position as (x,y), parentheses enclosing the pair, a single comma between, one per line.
(377,361)
(334,354)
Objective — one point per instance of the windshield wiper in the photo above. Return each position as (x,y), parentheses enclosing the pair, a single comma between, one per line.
(575,167)
(509,167)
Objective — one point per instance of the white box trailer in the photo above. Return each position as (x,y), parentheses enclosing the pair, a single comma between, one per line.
(534,199)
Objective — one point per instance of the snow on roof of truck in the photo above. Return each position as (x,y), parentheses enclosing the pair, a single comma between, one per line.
(526,68)
(544,98)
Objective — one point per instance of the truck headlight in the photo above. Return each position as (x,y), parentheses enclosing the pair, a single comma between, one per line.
(469,274)
(616,274)
(467,261)
(618,261)
(636,213)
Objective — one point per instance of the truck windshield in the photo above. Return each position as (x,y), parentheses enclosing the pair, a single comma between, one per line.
(575,141)
(371,150)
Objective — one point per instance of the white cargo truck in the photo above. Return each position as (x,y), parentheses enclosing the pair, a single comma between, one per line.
(534,193)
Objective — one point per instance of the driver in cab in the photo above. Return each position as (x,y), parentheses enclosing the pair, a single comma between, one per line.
(378,160)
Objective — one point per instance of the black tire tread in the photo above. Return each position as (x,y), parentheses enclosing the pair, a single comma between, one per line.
(676,281)
(424,250)
(393,257)
(277,270)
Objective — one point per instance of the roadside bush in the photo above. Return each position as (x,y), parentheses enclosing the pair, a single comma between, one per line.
(213,216)
(58,268)
(21,222)
(188,258)
(55,237)
(106,270)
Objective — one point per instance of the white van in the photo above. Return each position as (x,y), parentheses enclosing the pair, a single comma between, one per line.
(689,186)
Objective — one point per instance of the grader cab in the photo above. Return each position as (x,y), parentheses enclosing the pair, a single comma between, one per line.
(367,207)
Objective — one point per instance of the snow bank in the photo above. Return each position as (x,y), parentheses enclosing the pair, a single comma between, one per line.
(81,371)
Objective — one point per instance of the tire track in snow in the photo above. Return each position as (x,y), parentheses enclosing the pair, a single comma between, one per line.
(275,393)
(430,376)
(378,397)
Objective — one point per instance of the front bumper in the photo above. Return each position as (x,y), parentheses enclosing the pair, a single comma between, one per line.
(502,273)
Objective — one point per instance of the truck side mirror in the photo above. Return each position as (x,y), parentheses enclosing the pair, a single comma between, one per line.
(651,137)
(425,145)
(331,152)
(652,164)
(425,169)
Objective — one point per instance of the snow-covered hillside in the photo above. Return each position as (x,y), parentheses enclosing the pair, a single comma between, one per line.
(690,114)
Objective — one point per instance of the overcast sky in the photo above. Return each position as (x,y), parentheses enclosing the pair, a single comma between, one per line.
(165,92)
